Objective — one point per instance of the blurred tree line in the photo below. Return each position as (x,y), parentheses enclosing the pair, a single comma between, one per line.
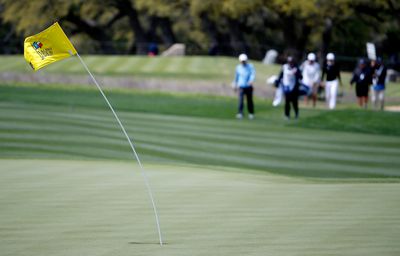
(216,27)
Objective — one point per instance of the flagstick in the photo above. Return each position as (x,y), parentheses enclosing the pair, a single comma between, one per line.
(146,180)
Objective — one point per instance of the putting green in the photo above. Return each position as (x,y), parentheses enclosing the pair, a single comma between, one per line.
(56,207)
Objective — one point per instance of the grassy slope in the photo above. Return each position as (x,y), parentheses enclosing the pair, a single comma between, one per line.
(178,68)
(59,208)
(191,68)
(74,123)
(386,123)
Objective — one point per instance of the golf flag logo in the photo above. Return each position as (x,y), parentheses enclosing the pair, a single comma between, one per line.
(37,45)
(48,46)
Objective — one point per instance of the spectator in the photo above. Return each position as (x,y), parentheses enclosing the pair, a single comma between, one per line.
(362,77)
(244,80)
(332,72)
(311,74)
(378,84)
(290,77)
(153,50)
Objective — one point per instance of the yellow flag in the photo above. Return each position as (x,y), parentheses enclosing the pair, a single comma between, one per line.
(48,46)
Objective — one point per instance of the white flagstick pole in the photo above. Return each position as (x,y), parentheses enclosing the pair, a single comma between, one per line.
(146,180)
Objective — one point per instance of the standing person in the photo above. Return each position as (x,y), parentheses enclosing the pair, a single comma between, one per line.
(290,77)
(362,77)
(378,84)
(332,72)
(311,74)
(244,80)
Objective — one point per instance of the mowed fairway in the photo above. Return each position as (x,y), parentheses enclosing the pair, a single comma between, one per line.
(189,67)
(69,186)
(101,208)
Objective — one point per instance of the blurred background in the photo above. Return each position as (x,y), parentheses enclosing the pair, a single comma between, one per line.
(208,27)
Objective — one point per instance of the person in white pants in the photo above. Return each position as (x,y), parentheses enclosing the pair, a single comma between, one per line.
(378,84)
(331,89)
(332,71)
(311,73)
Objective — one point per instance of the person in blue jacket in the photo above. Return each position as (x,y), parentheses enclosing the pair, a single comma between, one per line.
(289,79)
(244,81)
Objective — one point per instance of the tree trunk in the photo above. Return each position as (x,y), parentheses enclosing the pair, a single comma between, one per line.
(296,34)
(326,37)
(289,35)
(238,41)
(140,45)
(218,42)
(152,32)
(304,34)
(167,34)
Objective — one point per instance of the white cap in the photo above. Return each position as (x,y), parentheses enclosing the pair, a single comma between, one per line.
(330,56)
(243,57)
(311,56)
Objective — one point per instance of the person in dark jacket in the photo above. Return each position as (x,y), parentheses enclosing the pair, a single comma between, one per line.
(362,77)
(332,71)
(290,78)
(378,84)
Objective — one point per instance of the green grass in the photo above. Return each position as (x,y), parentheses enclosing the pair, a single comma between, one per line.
(69,184)
(128,100)
(75,123)
(188,68)
(350,119)
(95,208)
(386,123)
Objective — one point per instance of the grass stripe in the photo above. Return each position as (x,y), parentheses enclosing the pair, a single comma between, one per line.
(186,132)
(243,151)
(205,127)
(128,65)
(275,147)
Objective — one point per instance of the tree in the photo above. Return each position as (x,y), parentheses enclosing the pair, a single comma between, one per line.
(226,27)
(86,17)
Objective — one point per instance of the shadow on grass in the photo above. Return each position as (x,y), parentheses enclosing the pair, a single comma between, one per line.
(146,243)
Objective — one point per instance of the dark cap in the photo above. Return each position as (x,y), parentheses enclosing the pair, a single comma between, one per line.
(362,61)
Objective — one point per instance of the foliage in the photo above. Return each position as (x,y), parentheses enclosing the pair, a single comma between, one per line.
(220,27)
